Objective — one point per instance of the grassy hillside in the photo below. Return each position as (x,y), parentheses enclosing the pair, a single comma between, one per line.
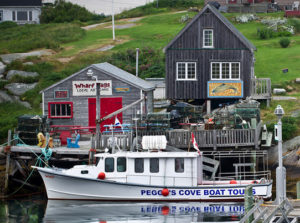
(150,32)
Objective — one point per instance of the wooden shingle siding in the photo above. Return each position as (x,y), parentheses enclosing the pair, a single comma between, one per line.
(80,103)
(188,47)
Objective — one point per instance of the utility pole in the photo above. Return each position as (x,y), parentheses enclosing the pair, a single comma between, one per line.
(137,62)
(98,116)
(280,170)
(113,20)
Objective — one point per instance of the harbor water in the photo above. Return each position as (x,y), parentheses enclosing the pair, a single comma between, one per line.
(39,209)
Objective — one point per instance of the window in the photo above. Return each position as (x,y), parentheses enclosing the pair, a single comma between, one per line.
(60,109)
(225,70)
(30,15)
(1,15)
(14,15)
(121,164)
(208,38)
(186,70)
(154,165)
(179,165)
(22,16)
(139,165)
(109,165)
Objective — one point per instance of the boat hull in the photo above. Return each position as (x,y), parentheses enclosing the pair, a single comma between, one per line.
(60,186)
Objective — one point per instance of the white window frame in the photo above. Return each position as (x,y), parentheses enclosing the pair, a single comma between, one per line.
(16,15)
(203,39)
(220,70)
(186,72)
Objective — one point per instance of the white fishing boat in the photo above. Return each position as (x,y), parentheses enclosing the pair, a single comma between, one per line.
(151,175)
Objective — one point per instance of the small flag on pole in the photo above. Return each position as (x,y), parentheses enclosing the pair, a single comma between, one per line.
(195,143)
(118,123)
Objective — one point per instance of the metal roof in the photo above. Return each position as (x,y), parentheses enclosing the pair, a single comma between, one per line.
(115,72)
(225,21)
(20,3)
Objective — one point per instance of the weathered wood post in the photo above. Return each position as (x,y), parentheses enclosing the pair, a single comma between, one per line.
(215,139)
(249,202)
(298,190)
(7,151)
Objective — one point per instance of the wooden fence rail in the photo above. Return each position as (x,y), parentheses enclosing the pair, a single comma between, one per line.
(205,138)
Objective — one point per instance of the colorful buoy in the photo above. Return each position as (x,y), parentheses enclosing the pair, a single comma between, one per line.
(165,192)
(233,182)
(101,176)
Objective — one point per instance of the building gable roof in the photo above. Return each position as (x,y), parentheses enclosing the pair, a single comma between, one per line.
(115,72)
(225,21)
(20,3)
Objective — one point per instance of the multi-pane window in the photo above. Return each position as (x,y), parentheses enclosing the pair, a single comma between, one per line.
(154,165)
(121,164)
(225,70)
(22,15)
(186,70)
(139,165)
(60,109)
(109,165)
(179,165)
(208,38)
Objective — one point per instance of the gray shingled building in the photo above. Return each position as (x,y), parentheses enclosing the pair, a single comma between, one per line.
(72,101)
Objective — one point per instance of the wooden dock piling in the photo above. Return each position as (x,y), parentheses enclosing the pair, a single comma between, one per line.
(7,151)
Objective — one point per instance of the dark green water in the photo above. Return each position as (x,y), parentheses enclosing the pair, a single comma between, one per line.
(38,209)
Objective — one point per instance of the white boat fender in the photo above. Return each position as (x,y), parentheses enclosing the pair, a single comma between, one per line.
(101,176)
(165,192)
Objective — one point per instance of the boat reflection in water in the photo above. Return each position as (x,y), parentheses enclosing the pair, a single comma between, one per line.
(88,211)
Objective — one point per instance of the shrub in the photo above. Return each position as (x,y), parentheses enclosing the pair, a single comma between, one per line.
(7,24)
(296,24)
(284,42)
(265,33)
(289,127)
(67,12)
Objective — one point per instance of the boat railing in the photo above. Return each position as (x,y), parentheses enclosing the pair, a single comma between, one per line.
(241,175)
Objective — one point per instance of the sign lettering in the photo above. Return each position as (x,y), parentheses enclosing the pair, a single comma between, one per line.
(88,88)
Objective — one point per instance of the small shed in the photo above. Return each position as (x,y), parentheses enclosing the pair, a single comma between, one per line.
(72,101)
(20,11)
(160,87)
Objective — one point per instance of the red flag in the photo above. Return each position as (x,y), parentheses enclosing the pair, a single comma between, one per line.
(195,143)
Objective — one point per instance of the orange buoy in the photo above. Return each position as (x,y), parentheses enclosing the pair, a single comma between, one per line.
(165,210)
(101,176)
(233,182)
(165,192)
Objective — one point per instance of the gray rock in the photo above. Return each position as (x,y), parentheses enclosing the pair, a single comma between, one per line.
(24,103)
(13,73)
(8,58)
(4,97)
(105,48)
(279,91)
(28,63)
(2,67)
(297,80)
(1,76)
(19,88)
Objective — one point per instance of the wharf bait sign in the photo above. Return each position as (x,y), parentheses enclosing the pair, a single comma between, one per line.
(88,88)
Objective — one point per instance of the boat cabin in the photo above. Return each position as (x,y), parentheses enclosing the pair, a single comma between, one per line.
(152,168)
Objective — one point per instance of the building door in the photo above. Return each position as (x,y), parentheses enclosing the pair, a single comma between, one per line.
(107,106)
(1,16)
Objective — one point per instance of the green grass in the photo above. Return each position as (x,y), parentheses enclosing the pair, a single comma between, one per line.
(28,37)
